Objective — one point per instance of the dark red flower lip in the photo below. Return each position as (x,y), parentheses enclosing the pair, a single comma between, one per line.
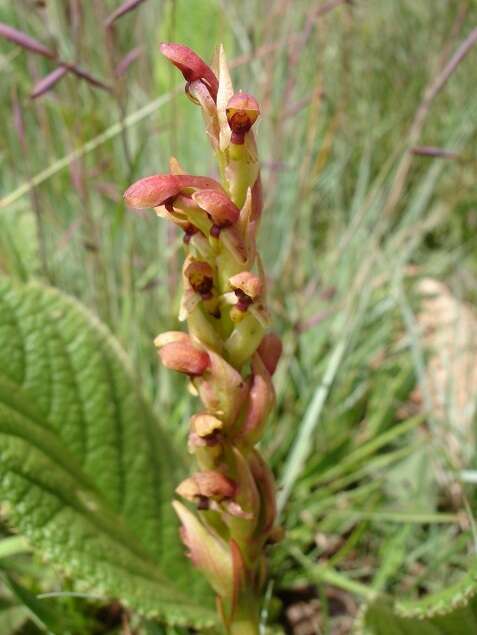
(242,112)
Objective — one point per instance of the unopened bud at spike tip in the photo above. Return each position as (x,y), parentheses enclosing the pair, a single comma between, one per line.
(191,65)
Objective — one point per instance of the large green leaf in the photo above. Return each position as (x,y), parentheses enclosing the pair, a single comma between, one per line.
(85,472)
(450,612)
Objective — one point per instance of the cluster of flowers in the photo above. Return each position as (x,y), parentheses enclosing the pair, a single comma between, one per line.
(228,352)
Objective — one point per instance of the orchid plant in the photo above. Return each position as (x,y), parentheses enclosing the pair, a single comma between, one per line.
(228,507)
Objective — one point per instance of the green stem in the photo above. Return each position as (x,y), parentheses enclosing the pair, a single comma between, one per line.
(246,619)
(244,627)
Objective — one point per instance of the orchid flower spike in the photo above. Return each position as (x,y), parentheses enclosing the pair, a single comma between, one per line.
(228,509)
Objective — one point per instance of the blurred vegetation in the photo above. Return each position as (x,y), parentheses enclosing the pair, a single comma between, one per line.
(373,499)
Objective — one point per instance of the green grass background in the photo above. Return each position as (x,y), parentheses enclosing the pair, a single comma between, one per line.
(344,240)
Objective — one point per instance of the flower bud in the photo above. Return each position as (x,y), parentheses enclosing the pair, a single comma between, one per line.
(201,277)
(208,484)
(248,287)
(205,425)
(248,283)
(152,191)
(184,357)
(170,336)
(207,551)
(191,65)
(242,112)
(155,190)
(261,401)
(267,489)
(198,183)
(244,339)
(208,453)
(218,205)
(270,351)
(222,389)
(206,440)
(200,304)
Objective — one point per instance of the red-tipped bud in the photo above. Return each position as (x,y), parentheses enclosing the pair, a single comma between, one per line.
(191,65)
(155,190)
(270,351)
(184,357)
(208,552)
(209,485)
(248,283)
(201,277)
(218,205)
(242,112)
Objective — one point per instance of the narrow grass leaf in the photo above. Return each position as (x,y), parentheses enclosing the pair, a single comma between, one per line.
(46,618)
(86,148)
